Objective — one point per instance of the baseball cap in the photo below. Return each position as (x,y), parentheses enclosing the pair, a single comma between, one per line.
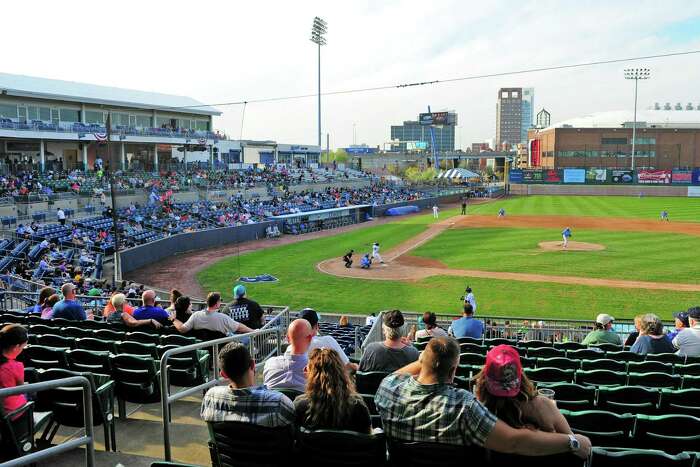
(393,319)
(682,316)
(503,371)
(604,319)
(309,315)
(239,290)
(694,312)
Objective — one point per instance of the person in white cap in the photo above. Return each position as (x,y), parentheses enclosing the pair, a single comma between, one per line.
(603,332)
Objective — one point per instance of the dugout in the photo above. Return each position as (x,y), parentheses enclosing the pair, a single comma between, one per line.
(313,221)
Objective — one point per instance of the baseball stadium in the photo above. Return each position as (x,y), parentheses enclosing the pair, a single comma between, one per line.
(172,295)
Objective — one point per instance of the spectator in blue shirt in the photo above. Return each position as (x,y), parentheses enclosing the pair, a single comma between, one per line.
(467,326)
(69,308)
(149,311)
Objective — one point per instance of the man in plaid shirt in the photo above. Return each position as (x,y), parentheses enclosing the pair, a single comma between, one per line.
(241,401)
(419,403)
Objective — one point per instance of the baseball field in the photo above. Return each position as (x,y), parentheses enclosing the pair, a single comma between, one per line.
(628,261)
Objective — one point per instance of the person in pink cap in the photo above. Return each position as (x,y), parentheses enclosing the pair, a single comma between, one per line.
(507,392)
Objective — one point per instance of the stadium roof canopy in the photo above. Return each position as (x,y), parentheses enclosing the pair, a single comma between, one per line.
(624,118)
(71,91)
(458,173)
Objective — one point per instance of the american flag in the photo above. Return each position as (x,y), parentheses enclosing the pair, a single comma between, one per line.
(101,137)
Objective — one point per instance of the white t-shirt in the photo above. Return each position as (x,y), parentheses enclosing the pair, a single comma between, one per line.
(688,341)
(435,332)
(326,342)
(60,214)
(213,321)
(369,321)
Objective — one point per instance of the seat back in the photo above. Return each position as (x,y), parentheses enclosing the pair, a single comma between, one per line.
(39,356)
(143,337)
(137,378)
(137,348)
(56,341)
(625,356)
(341,448)
(650,366)
(602,427)
(244,444)
(604,364)
(91,361)
(550,375)
(414,454)
(628,399)
(367,382)
(572,396)
(17,432)
(601,378)
(681,401)
(558,362)
(670,433)
(92,343)
(545,352)
(472,359)
(655,380)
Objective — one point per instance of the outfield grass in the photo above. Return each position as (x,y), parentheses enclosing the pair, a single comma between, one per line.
(656,257)
(300,284)
(680,209)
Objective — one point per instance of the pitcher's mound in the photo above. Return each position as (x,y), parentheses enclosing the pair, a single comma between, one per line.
(572,246)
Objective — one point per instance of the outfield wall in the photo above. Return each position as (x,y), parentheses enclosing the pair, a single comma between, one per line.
(425,203)
(600,190)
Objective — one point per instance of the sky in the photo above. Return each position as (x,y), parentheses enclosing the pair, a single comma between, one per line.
(224,51)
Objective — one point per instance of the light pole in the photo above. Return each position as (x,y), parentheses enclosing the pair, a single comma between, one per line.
(318,32)
(636,74)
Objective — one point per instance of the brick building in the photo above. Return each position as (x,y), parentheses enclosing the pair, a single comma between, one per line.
(665,140)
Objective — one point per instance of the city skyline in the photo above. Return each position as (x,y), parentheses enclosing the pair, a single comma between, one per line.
(261,56)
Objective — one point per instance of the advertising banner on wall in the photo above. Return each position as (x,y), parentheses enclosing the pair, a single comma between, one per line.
(695,178)
(532,176)
(621,176)
(654,177)
(515,176)
(574,175)
(681,177)
(596,175)
(552,176)
(694,192)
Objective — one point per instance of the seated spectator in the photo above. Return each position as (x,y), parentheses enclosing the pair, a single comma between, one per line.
(242,400)
(174,295)
(324,342)
(603,332)
(631,339)
(69,308)
(250,312)
(421,395)
(431,328)
(49,303)
(287,370)
(651,338)
(183,309)
(369,320)
(149,310)
(681,322)
(509,394)
(44,293)
(211,320)
(467,325)
(109,308)
(393,353)
(688,340)
(344,322)
(330,401)
(13,339)
(120,315)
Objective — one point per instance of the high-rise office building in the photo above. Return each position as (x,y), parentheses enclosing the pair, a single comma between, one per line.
(414,135)
(514,113)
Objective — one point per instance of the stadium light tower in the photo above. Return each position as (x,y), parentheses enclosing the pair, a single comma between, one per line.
(318,33)
(636,74)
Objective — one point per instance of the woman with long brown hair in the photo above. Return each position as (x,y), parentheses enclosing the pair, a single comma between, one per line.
(330,400)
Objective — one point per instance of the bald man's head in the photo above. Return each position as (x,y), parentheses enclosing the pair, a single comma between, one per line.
(299,335)
(148,297)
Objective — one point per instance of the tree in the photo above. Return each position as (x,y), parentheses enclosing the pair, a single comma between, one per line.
(338,155)
(416,175)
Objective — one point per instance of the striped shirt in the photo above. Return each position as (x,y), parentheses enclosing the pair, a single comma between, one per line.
(436,413)
(257,405)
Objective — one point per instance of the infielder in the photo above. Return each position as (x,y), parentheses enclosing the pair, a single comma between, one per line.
(664,215)
(566,234)
(469,298)
(375,253)
(435,212)
(501,212)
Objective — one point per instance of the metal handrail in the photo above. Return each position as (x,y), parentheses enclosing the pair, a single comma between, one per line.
(167,398)
(88,440)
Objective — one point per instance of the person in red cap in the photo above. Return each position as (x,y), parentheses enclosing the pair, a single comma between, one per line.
(507,392)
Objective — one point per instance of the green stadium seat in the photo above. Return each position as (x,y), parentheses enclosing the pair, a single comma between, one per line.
(534,344)
(38,329)
(667,358)
(628,399)
(545,352)
(607,347)
(680,401)
(572,396)
(472,359)
(550,375)
(109,335)
(650,366)
(142,337)
(92,361)
(692,370)
(611,457)
(72,331)
(602,427)
(473,348)
(238,443)
(500,341)
(420,345)
(186,369)
(137,348)
(137,379)
(585,354)
(669,433)
(423,339)
(176,339)
(39,356)
(655,380)
(625,356)
(601,378)
(691,382)
(338,447)
(367,382)
(470,340)
(604,364)
(56,341)
(99,345)
(558,362)
(568,345)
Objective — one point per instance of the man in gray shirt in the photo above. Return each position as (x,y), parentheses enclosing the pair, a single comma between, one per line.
(212,320)
(687,341)
(287,370)
(392,353)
